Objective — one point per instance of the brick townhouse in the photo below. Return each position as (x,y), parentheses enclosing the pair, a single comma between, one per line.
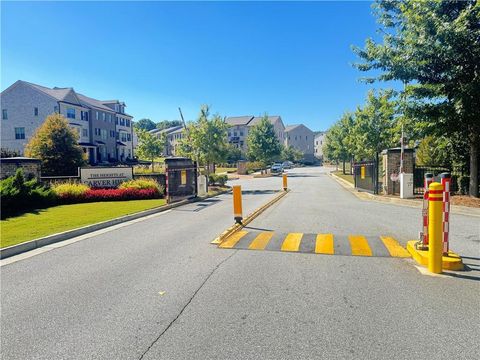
(105,130)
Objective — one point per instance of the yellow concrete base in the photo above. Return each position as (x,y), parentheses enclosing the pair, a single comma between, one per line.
(450,262)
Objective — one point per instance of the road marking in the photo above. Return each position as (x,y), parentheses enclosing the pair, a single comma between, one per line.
(324,244)
(261,241)
(292,242)
(233,240)
(359,245)
(394,247)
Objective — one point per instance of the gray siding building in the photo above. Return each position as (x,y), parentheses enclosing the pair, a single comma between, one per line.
(301,138)
(101,125)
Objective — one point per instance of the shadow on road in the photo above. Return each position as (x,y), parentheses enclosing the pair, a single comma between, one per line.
(198,206)
(259,192)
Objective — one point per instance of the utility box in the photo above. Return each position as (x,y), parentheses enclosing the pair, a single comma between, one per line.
(202,185)
(406,186)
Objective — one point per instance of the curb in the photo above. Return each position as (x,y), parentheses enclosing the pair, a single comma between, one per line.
(69,234)
(236,227)
(452,261)
(455,209)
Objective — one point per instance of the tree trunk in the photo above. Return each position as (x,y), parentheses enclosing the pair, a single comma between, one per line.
(343,166)
(473,186)
(153,164)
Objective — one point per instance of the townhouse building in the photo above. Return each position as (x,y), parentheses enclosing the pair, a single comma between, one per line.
(319,141)
(301,138)
(173,136)
(239,127)
(104,129)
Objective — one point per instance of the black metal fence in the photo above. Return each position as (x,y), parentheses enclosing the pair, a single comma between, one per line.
(181,179)
(365,176)
(419,177)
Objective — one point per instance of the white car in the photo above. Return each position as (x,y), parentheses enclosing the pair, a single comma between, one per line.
(277,168)
(287,165)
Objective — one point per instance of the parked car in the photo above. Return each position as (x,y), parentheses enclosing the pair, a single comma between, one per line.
(277,168)
(287,165)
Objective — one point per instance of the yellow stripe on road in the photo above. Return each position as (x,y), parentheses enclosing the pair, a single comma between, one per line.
(394,248)
(292,242)
(261,241)
(233,240)
(359,245)
(324,244)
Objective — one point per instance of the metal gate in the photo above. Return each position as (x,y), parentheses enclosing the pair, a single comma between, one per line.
(365,176)
(181,179)
(419,175)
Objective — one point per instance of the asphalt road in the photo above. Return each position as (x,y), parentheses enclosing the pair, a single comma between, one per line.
(156,289)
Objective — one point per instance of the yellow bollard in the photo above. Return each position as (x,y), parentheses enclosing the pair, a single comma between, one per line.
(237,203)
(284,182)
(435,242)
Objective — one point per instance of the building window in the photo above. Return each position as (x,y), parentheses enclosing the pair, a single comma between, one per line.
(104,118)
(35,111)
(127,122)
(4,114)
(71,113)
(129,137)
(116,120)
(112,133)
(234,133)
(85,132)
(104,134)
(122,121)
(123,136)
(117,135)
(241,133)
(19,133)
(96,115)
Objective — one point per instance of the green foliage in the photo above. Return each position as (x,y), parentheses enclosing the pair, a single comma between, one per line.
(165,124)
(144,124)
(19,195)
(150,146)
(233,154)
(70,189)
(206,139)
(141,183)
(253,166)
(263,144)
(433,47)
(338,144)
(373,127)
(55,143)
(217,179)
(289,153)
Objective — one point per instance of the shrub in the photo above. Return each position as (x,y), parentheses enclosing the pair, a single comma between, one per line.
(120,194)
(19,195)
(141,183)
(70,192)
(215,179)
(255,166)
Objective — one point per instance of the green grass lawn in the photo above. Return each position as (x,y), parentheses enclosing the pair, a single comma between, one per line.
(347,177)
(56,219)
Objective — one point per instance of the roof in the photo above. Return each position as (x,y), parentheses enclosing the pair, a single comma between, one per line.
(166,131)
(177,131)
(257,119)
(291,127)
(57,93)
(90,102)
(119,143)
(238,120)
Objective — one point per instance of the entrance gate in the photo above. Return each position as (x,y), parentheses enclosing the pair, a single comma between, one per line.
(181,179)
(365,176)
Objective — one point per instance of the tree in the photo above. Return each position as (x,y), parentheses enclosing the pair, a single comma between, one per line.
(374,125)
(338,143)
(263,144)
(433,47)
(150,146)
(145,124)
(55,143)
(165,124)
(289,153)
(206,139)
(233,153)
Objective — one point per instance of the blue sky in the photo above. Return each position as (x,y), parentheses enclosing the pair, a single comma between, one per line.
(288,59)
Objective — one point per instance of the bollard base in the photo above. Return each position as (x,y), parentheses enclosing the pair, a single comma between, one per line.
(238,220)
(451,261)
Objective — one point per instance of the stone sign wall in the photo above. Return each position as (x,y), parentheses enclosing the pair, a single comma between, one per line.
(31,167)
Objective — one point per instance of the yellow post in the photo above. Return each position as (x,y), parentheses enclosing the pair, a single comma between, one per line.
(435,243)
(284,182)
(237,203)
